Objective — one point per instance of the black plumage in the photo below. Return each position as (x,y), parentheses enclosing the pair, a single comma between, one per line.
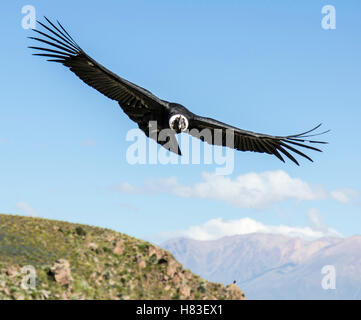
(143,107)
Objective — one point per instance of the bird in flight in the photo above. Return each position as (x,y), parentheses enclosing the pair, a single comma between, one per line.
(153,114)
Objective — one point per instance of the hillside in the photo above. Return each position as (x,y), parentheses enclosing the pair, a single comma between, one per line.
(75,261)
(273,266)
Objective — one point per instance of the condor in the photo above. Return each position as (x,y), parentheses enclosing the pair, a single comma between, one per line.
(143,107)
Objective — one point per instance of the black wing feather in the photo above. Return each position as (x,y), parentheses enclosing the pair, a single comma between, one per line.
(90,71)
(257,142)
(138,103)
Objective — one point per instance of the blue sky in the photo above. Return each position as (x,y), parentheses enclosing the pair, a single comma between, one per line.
(265,66)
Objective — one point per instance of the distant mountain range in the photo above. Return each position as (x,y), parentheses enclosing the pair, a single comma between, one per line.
(272,266)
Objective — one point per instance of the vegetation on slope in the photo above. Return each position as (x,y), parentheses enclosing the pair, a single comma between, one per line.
(75,261)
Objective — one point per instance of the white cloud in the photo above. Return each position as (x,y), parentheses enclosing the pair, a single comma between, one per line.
(251,190)
(317,223)
(26,209)
(218,228)
(344,195)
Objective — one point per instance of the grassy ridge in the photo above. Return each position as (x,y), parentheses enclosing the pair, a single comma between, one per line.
(103,264)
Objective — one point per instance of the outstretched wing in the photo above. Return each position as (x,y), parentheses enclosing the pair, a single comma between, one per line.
(63,49)
(250,141)
(138,103)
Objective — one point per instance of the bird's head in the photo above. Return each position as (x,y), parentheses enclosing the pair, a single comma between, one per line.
(178,123)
